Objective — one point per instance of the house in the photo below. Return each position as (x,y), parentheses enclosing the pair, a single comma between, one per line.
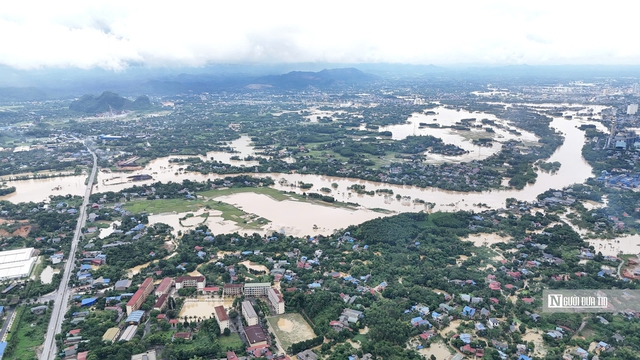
(602,346)
(555,334)
(350,316)
(466,338)
(307,355)
(500,345)
(149,355)
(492,323)
(468,311)
(445,307)
(480,327)
(427,335)
(465,297)
(582,353)
(535,317)
(122,285)
(418,321)
(39,310)
(181,335)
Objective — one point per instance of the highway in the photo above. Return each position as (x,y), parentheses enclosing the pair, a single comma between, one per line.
(49,350)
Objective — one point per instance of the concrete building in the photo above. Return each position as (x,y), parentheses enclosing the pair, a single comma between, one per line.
(129,333)
(164,287)
(255,336)
(276,300)
(161,303)
(190,281)
(232,289)
(111,334)
(140,296)
(256,289)
(222,317)
(632,109)
(149,355)
(15,264)
(249,313)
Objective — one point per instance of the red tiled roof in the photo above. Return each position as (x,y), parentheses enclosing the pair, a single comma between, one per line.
(147,282)
(196,278)
(74,332)
(182,335)
(161,300)
(254,334)
(221,314)
(165,285)
(82,355)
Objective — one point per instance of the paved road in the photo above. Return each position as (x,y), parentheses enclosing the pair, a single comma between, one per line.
(49,350)
(7,321)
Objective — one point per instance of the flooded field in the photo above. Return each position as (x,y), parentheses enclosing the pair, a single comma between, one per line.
(301,218)
(203,308)
(47,274)
(290,329)
(621,245)
(488,239)
(540,349)
(439,350)
(256,267)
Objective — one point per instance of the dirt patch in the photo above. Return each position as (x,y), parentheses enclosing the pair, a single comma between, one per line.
(23,231)
(540,350)
(5,221)
(4,233)
(290,329)
(285,325)
(439,350)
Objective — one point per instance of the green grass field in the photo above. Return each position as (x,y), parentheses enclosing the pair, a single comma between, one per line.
(28,334)
(273,193)
(230,342)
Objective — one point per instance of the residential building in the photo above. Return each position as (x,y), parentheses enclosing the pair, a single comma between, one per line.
(350,316)
(191,281)
(249,313)
(164,287)
(255,336)
(277,302)
(256,289)
(221,317)
(140,296)
(232,289)
(307,355)
(122,285)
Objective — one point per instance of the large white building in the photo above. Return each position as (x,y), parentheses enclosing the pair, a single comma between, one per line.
(276,300)
(17,263)
(249,313)
(632,109)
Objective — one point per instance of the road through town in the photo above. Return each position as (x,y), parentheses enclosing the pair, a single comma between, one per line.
(49,350)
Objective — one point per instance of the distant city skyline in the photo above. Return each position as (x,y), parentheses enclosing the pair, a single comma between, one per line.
(116,34)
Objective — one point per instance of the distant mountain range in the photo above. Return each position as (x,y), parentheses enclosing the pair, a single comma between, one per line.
(108,101)
(324,78)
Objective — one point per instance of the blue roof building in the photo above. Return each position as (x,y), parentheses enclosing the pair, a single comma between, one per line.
(135,317)
(466,338)
(88,302)
(3,347)
(468,311)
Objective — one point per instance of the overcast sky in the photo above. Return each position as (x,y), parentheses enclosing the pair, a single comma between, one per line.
(114,34)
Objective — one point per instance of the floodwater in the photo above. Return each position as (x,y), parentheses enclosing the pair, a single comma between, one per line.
(448,117)
(37,190)
(256,267)
(47,274)
(621,245)
(302,218)
(215,222)
(487,239)
(438,349)
(298,218)
(104,232)
(204,308)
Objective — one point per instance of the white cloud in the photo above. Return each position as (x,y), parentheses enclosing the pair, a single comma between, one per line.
(113,34)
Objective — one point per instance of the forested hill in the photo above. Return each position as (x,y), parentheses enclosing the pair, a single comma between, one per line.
(108,101)
(326,77)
